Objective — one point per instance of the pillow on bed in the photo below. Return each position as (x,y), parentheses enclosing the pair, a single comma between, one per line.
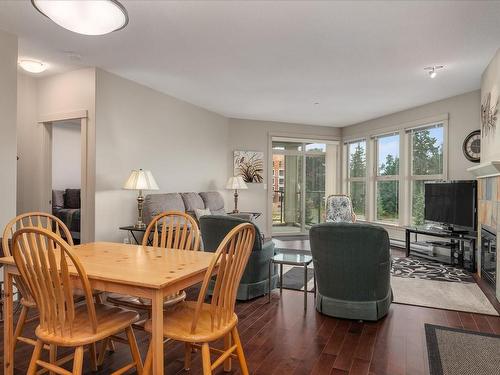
(72,198)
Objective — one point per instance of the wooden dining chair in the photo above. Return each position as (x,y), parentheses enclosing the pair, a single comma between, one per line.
(168,230)
(197,323)
(47,265)
(30,219)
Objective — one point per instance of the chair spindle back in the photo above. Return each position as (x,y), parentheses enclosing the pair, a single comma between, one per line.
(38,220)
(173,230)
(45,261)
(231,259)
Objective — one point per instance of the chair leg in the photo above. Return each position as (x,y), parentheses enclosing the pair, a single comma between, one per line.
(111,346)
(239,351)
(35,357)
(188,349)
(93,357)
(149,361)
(102,351)
(20,326)
(78,361)
(227,346)
(205,355)
(134,350)
(52,356)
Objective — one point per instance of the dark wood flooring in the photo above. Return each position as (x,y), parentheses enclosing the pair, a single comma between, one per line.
(280,338)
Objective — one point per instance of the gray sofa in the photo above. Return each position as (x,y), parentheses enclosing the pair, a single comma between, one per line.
(254,282)
(155,204)
(352,264)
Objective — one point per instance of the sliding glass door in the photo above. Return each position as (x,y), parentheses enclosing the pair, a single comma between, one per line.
(299,179)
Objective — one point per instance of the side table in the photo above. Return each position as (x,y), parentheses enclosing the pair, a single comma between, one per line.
(132,231)
(291,259)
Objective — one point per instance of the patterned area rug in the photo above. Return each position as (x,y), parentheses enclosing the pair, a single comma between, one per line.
(418,268)
(423,282)
(455,351)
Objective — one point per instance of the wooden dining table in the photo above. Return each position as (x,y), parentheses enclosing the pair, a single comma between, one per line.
(140,271)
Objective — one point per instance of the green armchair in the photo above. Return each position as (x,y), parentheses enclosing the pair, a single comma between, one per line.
(254,282)
(352,264)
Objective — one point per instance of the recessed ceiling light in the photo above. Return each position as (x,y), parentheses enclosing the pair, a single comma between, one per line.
(90,17)
(433,70)
(32,66)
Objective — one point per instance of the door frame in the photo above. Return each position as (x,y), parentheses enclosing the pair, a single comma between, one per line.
(299,138)
(87,193)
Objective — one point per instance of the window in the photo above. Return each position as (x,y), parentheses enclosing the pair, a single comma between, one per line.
(387,178)
(356,176)
(426,164)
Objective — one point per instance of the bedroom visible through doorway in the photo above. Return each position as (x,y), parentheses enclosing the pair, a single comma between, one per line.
(66,173)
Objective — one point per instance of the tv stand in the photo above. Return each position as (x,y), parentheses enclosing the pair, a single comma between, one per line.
(460,244)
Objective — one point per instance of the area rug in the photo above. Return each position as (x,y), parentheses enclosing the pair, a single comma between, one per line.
(293,278)
(426,283)
(455,351)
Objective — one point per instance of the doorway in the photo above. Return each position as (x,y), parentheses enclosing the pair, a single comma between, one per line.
(67,180)
(303,176)
(66,174)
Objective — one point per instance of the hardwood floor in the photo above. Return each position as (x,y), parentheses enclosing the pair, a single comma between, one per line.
(280,338)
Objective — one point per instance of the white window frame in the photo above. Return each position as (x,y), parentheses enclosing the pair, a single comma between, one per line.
(350,179)
(377,178)
(412,177)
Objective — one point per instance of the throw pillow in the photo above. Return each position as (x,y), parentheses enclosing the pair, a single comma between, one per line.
(202,212)
(72,198)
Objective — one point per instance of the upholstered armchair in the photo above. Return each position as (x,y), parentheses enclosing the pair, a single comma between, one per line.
(254,282)
(352,265)
(339,209)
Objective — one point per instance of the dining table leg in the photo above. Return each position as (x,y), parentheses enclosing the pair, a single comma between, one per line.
(8,327)
(157,332)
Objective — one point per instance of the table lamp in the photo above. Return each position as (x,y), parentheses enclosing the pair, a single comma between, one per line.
(236,183)
(140,180)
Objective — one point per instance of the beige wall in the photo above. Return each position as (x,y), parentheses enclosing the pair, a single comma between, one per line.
(490,83)
(8,104)
(29,146)
(58,94)
(463,112)
(251,135)
(184,146)
(66,158)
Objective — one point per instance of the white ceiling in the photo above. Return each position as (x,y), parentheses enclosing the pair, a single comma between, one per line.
(274,60)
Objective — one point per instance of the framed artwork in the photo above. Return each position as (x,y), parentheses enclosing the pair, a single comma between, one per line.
(249,165)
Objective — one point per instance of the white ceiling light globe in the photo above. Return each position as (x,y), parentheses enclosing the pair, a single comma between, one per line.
(90,17)
(32,66)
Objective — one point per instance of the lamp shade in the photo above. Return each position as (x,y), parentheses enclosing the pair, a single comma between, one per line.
(236,182)
(141,180)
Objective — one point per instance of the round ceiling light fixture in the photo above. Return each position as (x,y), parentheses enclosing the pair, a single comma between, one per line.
(90,17)
(32,66)
(433,70)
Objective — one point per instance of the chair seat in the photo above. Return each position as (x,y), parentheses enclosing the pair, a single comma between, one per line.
(143,303)
(110,320)
(178,319)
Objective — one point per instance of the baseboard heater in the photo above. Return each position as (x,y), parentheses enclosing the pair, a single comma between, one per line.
(419,247)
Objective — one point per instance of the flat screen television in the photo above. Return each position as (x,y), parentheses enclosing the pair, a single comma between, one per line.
(451,203)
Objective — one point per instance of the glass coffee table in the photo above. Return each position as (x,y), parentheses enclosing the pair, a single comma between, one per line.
(291,258)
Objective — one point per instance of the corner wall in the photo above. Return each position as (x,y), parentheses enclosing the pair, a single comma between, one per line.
(253,135)
(183,145)
(8,105)
(463,111)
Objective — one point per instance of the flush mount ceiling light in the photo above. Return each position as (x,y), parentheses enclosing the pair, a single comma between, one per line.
(32,66)
(90,17)
(433,70)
